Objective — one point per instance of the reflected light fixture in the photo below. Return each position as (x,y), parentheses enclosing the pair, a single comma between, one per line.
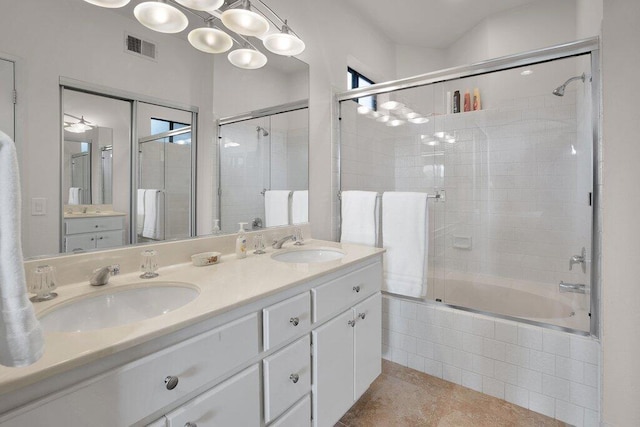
(395,122)
(111,4)
(383,119)
(284,43)
(418,120)
(210,40)
(392,105)
(247,58)
(161,17)
(204,5)
(243,20)
(79,127)
(363,109)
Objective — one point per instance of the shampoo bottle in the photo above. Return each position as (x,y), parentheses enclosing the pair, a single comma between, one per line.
(456,101)
(477,105)
(241,242)
(467,101)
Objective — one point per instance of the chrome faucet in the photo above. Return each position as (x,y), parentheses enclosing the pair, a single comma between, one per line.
(100,276)
(277,244)
(577,288)
(579,259)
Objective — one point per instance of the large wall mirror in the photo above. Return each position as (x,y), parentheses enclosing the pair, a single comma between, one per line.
(87,45)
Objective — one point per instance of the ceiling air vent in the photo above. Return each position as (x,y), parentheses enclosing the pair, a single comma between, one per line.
(140,47)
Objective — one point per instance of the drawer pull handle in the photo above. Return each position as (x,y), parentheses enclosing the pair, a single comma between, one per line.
(97,226)
(352,323)
(294,378)
(294,321)
(190,424)
(171,382)
(356,288)
(362,315)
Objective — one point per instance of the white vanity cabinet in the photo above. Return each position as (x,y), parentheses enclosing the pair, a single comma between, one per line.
(235,402)
(314,346)
(347,349)
(85,233)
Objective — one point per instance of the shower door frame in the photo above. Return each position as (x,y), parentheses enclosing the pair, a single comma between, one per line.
(590,46)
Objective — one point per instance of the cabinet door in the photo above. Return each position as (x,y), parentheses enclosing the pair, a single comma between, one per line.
(368,343)
(298,416)
(235,402)
(333,370)
(80,242)
(109,239)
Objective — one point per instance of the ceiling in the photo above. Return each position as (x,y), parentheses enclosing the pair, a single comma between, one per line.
(429,23)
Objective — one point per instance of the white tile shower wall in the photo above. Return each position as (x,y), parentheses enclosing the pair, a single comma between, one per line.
(551,372)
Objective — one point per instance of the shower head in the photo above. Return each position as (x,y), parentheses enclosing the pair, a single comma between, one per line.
(264,131)
(559,91)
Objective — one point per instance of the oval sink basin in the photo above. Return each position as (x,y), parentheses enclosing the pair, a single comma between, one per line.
(120,307)
(308,255)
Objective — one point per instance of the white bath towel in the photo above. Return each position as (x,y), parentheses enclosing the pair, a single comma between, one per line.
(153,214)
(404,232)
(74,195)
(300,207)
(21,341)
(140,211)
(359,213)
(276,208)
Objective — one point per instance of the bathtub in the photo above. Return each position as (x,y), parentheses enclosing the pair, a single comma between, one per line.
(519,300)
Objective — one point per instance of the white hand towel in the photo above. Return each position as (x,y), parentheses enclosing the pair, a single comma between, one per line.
(404,232)
(300,207)
(21,341)
(359,217)
(153,215)
(140,211)
(74,195)
(276,208)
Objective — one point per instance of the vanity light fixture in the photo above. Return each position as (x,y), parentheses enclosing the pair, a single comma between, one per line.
(237,16)
(363,109)
(383,119)
(204,5)
(247,58)
(243,20)
(209,39)
(418,120)
(160,16)
(391,105)
(395,122)
(111,4)
(284,42)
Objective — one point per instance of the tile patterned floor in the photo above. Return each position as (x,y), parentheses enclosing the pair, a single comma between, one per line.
(405,397)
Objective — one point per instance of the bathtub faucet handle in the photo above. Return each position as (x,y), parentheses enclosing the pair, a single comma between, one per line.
(579,259)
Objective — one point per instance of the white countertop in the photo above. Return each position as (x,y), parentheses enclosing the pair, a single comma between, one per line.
(92,214)
(224,286)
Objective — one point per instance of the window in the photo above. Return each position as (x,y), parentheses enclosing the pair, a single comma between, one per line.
(356,80)
(161,126)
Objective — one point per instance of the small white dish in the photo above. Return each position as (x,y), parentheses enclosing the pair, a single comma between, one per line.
(205,258)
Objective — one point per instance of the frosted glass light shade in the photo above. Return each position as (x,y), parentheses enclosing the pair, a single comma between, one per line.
(284,44)
(111,4)
(249,59)
(419,120)
(210,40)
(207,5)
(392,105)
(245,22)
(160,17)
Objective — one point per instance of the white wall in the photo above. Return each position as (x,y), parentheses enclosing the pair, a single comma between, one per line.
(75,39)
(621,204)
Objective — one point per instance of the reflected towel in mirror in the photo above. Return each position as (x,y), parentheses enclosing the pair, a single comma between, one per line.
(276,207)
(153,214)
(300,207)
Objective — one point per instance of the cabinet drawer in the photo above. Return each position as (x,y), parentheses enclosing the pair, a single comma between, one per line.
(80,242)
(341,293)
(284,320)
(109,239)
(298,416)
(133,391)
(287,377)
(235,402)
(86,225)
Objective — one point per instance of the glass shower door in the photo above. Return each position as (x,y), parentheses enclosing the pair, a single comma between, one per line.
(164,168)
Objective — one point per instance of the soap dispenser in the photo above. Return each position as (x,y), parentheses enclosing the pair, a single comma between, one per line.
(241,242)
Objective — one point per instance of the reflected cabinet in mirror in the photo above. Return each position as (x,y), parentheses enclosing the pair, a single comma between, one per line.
(86,71)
